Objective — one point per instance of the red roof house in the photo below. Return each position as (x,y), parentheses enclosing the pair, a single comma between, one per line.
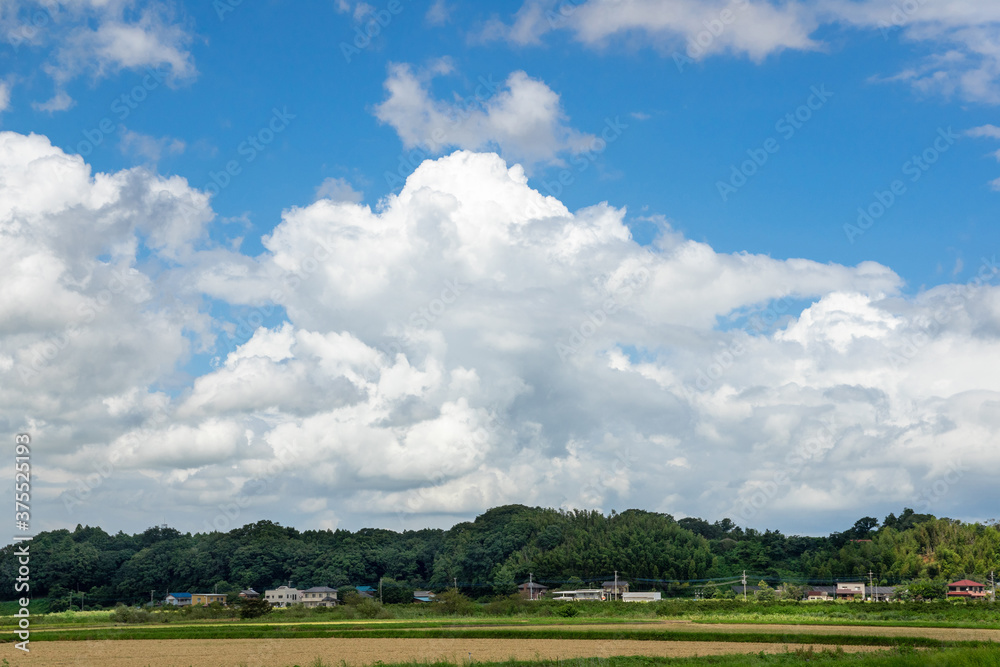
(966,588)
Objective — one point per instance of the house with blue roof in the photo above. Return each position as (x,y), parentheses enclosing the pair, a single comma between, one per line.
(178,599)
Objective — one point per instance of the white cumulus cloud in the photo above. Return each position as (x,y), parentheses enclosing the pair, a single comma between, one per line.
(469,342)
(522,117)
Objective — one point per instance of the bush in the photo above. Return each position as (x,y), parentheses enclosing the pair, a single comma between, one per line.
(394,592)
(254,608)
(60,605)
(567,610)
(371,609)
(123,614)
(507,605)
(452,602)
(345,612)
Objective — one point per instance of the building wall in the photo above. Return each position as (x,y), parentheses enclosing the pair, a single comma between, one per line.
(207,598)
(316,599)
(283,596)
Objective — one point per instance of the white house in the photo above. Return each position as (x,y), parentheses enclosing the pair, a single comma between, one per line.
(178,599)
(583,594)
(283,596)
(319,596)
(650,596)
(848,590)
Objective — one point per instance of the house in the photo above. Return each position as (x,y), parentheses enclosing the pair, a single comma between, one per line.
(205,599)
(423,596)
(249,594)
(582,594)
(966,588)
(847,590)
(319,596)
(881,593)
(821,593)
(178,599)
(613,590)
(366,592)
(739,588)
(532,590)
(651,596)
(283,596)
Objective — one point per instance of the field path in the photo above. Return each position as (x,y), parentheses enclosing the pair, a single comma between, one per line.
(286,652)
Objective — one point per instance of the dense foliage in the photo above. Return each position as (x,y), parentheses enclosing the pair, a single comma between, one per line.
(491,555)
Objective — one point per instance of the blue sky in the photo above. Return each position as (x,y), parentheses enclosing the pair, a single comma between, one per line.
(755,155)
(701,121)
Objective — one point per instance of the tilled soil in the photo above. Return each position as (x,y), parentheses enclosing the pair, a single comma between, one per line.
(287,652)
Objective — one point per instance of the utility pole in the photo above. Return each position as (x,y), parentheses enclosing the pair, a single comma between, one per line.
(150,598)
(454,580)
(380,590)
(744,585)
(871,586)
(616,585)
(993,588)
(531,588)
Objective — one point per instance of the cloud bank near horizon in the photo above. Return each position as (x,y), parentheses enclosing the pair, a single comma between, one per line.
(467,343)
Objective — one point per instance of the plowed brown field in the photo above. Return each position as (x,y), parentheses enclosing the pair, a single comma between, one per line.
(285,652)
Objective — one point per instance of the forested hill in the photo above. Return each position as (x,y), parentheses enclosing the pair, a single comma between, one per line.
(496,551)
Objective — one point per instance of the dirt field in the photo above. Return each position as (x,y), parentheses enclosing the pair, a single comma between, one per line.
(286,652)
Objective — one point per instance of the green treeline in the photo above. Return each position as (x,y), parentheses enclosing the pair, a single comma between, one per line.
(494,553)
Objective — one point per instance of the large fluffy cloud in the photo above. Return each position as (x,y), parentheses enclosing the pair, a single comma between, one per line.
(466,343)
(83,320)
